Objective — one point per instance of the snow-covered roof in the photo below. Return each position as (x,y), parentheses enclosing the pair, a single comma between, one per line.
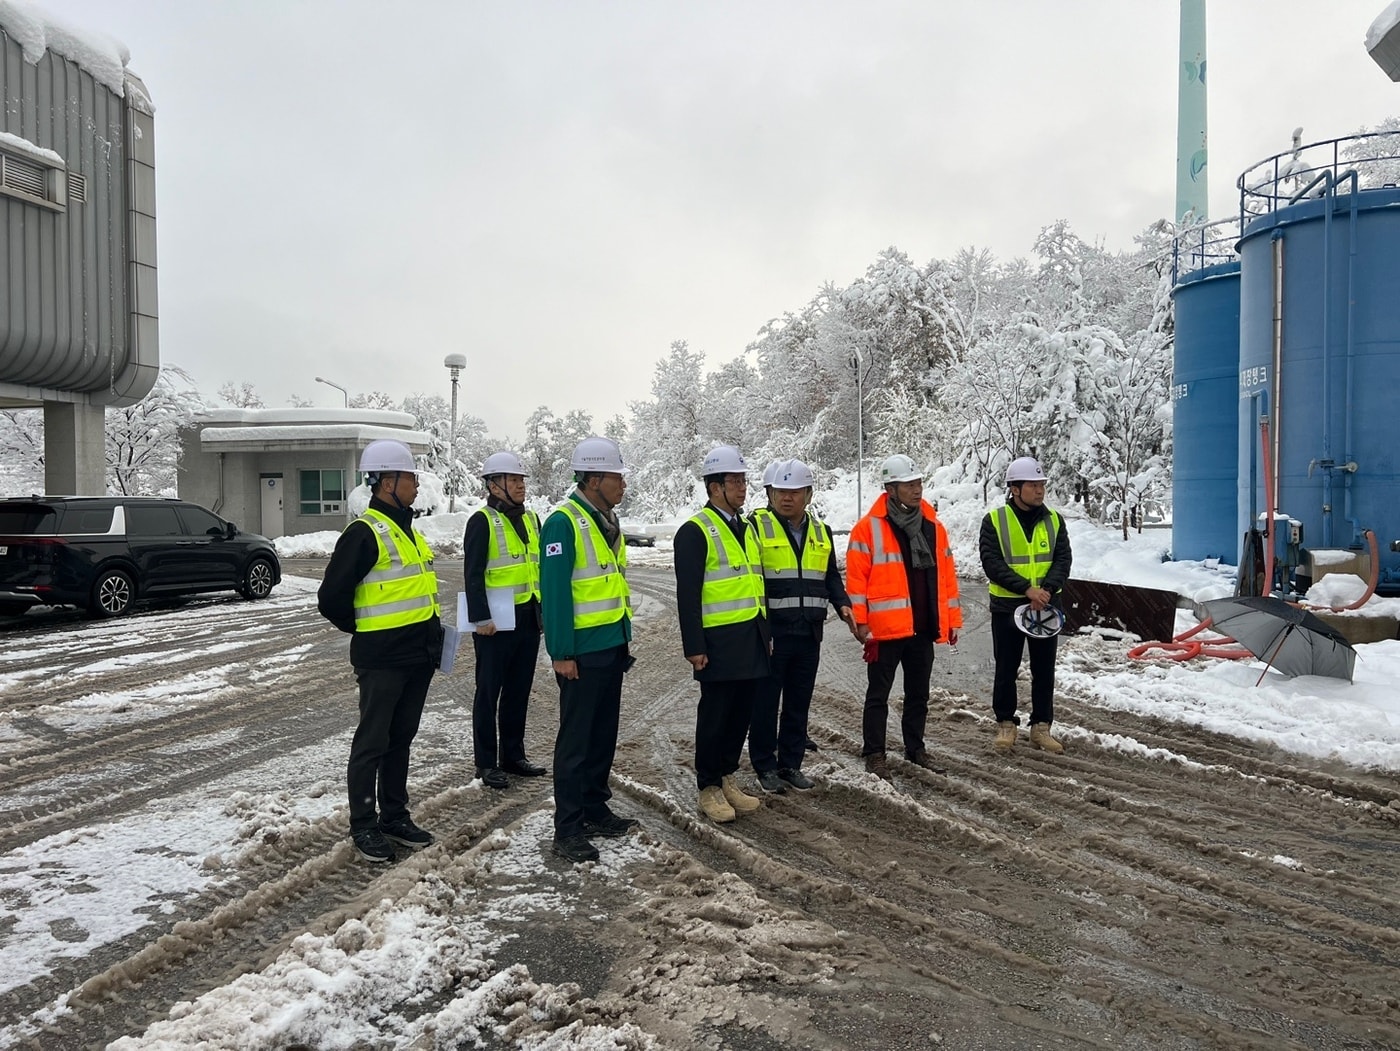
(1383,24)
(312,434)
(37,31)
(304,416)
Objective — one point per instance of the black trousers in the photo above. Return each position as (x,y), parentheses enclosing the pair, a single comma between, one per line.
(589,709)
(505,671)
(1008,644)
(391,705)
(778,731)
(915,656)
(721,724)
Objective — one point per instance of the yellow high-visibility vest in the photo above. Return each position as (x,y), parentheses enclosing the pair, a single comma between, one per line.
(512,564)
(792,584)
(401,588)
(732,591)
(599,579)
(1030,556)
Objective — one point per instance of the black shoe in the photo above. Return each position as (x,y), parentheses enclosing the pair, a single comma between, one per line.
(372,846)
(796,779)
(493,777)
(922,758)
(407,833)
(524,768)
(769,782)
(811,745)
(611,826)
(576,849)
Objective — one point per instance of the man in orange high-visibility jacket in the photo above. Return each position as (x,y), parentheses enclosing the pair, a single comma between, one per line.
(904,594)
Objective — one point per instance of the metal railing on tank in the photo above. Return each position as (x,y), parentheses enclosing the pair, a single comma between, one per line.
(1306,170)
(1199,245)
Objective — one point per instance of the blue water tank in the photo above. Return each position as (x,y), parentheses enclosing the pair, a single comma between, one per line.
(1338,259)
(1205,401)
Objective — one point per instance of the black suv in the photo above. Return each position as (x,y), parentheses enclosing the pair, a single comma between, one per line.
(106,552)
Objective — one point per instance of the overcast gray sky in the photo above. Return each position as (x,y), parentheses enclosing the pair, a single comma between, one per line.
(559,189)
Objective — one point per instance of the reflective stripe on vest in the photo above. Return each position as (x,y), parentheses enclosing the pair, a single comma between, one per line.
(512,564)
(882,555)
(599,580)
(732,591)
(790,584)
(401,588)
(1029,556)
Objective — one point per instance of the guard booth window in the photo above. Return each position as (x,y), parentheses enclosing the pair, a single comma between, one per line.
(322,492)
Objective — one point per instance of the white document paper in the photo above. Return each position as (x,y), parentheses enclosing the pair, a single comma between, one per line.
(451,639)
(500,603)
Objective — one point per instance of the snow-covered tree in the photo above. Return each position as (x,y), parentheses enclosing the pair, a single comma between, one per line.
(21,451)
(142,443)
(241,395)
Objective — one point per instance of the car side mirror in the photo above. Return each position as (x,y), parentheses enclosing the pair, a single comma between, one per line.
(231,531)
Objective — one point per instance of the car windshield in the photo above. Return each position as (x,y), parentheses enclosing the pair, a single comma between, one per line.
(27,519)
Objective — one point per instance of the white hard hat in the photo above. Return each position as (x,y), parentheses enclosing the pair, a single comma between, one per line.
(793,474)
(770,471)
(724,459)
(1024,469)
(597,454)
(503,462)
(387,454)
(899,468)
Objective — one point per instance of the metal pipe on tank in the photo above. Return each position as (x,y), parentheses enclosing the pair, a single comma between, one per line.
(1328,200)
(1276,377)
(1347,451)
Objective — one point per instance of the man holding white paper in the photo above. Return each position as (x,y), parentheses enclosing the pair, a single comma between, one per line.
(502,598)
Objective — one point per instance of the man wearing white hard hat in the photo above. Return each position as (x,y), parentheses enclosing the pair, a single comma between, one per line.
(1026,555)
(501,561)
(724,629)
(904,593)
(801,578)
(587,628)
(380,587)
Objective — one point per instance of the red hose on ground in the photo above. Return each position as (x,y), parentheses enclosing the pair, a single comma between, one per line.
(1181,649)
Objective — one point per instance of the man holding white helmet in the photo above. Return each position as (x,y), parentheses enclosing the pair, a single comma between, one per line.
(501,558)
(380,588)
(724,629)
(800,577)
(904,593)
(1026,555)
(587,628)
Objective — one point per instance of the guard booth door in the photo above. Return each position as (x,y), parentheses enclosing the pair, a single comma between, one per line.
(271,486)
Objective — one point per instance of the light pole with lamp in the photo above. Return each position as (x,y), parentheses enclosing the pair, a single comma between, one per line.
(856,363)
(343,392)
(349,481)
(455,364)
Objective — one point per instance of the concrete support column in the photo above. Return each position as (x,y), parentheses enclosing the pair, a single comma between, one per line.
(75,462)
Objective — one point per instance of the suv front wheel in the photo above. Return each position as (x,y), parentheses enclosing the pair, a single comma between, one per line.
(257,579)
(112,593)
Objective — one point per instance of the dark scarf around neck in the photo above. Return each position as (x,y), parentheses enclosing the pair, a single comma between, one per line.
(911,521)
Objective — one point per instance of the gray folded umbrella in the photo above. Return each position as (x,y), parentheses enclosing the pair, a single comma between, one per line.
(1285,637)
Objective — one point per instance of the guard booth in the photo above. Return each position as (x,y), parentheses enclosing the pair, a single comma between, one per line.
(78,316)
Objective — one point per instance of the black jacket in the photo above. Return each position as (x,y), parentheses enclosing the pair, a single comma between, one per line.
(998,572)
(476,545)
(736,651)
(355,554)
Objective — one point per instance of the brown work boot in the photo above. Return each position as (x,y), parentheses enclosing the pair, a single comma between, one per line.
(1006,736)
(1040,738)
(736,797)
(875,764)
(714,806)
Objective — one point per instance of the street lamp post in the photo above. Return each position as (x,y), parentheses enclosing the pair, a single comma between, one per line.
(856,363)
(455,364)
(348,483)
(343,392)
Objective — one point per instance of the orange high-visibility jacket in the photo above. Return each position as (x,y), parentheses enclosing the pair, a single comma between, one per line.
(879,586)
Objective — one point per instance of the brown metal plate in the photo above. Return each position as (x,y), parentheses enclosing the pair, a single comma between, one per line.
(1148,613)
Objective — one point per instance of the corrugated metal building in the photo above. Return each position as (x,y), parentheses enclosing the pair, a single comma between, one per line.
(78,316)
